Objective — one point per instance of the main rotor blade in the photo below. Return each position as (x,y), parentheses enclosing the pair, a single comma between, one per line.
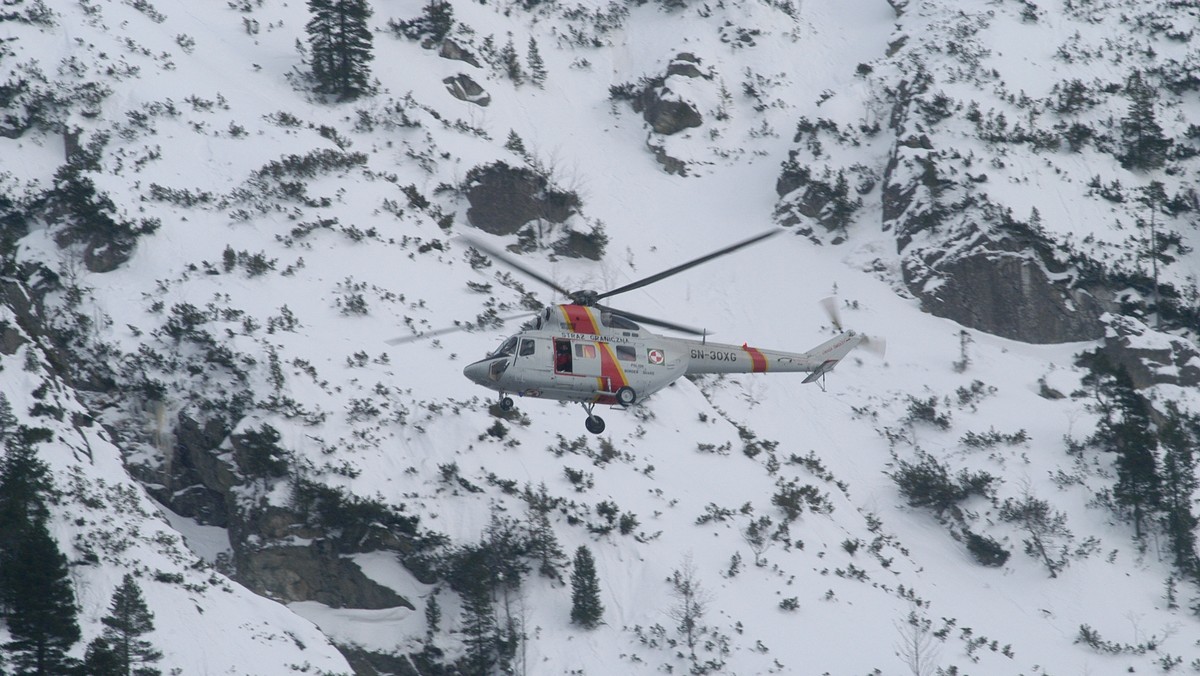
(465,326)
(643,319)
(512,263)
(690,264)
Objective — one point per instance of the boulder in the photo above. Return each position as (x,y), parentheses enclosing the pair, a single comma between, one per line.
(462,87)
(505,198)
(312,572)
(666,111)
(450,49)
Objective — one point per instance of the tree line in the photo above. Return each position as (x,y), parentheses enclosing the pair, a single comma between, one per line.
(37,599)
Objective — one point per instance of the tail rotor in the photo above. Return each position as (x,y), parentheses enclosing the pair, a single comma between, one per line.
(876,345)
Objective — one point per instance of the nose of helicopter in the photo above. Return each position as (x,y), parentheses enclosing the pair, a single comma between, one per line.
(477,372)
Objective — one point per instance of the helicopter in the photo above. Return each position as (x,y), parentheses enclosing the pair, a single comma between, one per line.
(586,352)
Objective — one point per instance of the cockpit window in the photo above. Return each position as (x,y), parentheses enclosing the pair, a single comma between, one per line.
(506,349)
(613,321)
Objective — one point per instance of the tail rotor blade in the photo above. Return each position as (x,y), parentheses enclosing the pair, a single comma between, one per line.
(876,345)
(831,309)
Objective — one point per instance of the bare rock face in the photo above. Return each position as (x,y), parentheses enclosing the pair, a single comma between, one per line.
(664,110)
(1150,358)
(504,198)
(1005,293)
(277,550)
(314,572)
(969,259)
(462,87)
(450,49)
(668,115)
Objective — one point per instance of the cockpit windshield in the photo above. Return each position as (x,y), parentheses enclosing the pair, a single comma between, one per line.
(506,349)
(613,321)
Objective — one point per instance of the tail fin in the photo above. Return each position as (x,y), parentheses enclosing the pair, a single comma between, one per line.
(832,351)
(836,348)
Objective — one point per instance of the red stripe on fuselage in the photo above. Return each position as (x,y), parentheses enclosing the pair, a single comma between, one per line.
(758,363)
(579,319)
(611,369)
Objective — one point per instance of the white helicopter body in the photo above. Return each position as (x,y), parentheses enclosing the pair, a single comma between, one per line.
(583,354)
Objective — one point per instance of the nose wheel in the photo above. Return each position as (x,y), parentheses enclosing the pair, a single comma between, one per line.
(593,423)
(506,403)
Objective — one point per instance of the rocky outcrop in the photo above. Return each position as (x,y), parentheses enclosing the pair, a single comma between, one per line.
(664,109)
(1004,292)
(449,49)
(1150,357)
(968,259)
(463,88)
(313,572)
(504,198)
(277,550)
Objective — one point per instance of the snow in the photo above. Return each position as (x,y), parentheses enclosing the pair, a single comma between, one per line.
(850,602)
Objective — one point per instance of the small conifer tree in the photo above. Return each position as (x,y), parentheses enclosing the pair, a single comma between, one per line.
(1180,436)
(127,621)
(1146,147)
(510,64)
(40,602)
(586,608)
(340,43)
(537,67)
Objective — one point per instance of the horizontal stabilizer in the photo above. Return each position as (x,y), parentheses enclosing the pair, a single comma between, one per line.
(825,367)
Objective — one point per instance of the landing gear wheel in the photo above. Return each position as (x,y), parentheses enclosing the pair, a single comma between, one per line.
(506,403)
(626,396)
(594,424)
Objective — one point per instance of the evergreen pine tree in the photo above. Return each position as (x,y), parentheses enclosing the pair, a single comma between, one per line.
(586,608)
(1180,435)
(516,144)
(101,660)
(511,64)
(40,604)
(24,478)
(841,206)
(340,45)
(537,67)
(8,422)
(1125,430)
(478,629)
(543,545)
(127,620)
(439,19)
(1138,482)
(1145,146)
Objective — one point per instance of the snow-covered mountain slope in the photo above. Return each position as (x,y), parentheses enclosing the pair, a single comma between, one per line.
(281,239)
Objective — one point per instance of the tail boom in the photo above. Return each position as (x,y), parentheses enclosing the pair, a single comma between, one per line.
(707,357)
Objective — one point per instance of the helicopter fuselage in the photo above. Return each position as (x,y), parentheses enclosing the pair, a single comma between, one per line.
(590,353)
(577,353)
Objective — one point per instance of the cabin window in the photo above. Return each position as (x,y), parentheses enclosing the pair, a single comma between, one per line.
(527,347)
(562,356)
(585,351)
(617,322)
(626,353)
